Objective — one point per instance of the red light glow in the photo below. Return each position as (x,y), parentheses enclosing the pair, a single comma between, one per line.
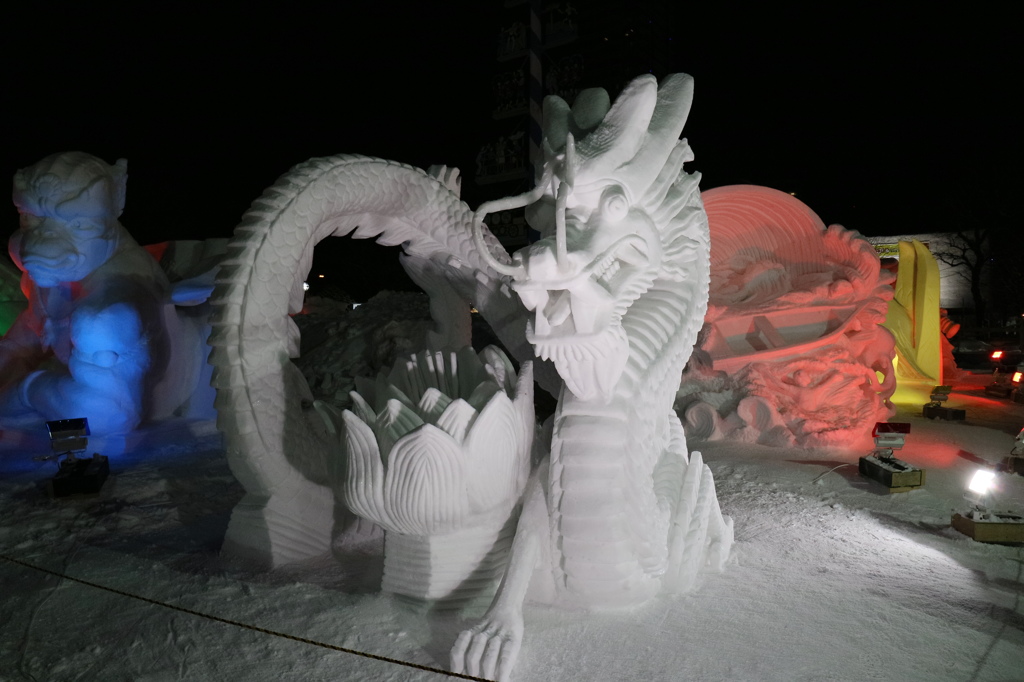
(1017,377)
(996,354)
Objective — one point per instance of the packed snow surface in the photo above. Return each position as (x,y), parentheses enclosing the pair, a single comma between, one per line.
(832,578)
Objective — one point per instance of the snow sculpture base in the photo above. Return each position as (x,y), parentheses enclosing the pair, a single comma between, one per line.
(276,530)
(453,568)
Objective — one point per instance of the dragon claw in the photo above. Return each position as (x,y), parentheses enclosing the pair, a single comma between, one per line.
(490,648)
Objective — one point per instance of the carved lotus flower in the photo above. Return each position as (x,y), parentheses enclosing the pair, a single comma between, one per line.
(437,453)
(443,441)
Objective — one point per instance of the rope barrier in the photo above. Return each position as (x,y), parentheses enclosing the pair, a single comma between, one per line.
(246,626)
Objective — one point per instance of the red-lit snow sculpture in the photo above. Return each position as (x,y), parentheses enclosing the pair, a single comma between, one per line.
(101,337)
(613,294)
(792,351)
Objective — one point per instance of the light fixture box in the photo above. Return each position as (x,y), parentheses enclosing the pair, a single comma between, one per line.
(950,414)
(894,474)
(1013,464)
(82,476)
(999,388)
(999,527)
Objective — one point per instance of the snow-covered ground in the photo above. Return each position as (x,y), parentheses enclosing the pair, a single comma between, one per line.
(831,579)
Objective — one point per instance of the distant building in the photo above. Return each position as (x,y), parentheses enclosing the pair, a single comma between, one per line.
(548,47)
(955,283)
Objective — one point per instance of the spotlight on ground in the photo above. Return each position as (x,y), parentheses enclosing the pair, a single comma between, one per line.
(936,410)
(76,475)
(983,524)
(1014,462)
(882,466)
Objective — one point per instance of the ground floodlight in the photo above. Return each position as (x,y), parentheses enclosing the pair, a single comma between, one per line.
(983,524)
(1014,462)
(881,466)
(934,409)
(982,481)
(75,475)
(890,436)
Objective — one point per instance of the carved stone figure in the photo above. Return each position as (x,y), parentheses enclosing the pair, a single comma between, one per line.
(614,295)
(100,338)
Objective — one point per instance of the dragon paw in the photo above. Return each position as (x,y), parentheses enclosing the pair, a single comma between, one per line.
(490,648)
(700,537)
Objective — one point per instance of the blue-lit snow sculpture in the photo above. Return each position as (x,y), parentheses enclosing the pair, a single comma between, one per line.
(101,337)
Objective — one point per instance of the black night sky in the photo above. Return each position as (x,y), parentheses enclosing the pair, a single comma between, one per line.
(877,120)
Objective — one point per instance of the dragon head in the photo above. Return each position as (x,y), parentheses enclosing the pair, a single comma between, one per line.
(612,206)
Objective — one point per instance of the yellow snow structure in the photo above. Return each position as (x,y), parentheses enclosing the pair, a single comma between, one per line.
(914,319)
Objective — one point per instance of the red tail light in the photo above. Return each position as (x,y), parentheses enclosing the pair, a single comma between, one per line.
(996,354)
(1017,377)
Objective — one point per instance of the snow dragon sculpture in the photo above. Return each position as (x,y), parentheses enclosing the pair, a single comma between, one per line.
(614,293)
(618,287)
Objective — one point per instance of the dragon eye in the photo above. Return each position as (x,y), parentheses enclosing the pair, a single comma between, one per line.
(614,204)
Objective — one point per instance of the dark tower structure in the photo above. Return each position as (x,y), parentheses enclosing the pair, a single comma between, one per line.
(559,48)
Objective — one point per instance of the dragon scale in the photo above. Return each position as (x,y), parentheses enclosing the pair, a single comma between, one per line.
(276,443)
(609,508)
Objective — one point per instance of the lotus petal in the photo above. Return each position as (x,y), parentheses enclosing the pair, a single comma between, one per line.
(457,419)
(335,423)
(523,395)
(482,394)
(471,371)
(392,392)
(432,404)
(425,489)
(364,483)
(362,408)
(497,455)
(499,368)
(395,421)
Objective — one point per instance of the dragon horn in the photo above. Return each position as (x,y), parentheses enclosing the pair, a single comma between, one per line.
(564,190)
(675,95)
